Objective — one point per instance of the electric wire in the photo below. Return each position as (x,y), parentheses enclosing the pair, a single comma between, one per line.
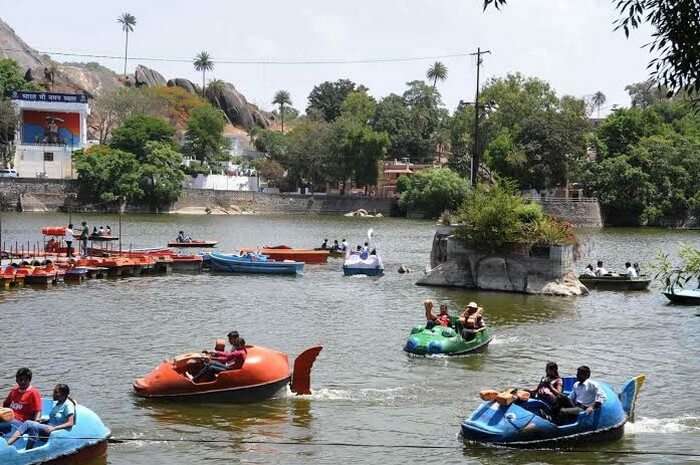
(624,452)
(318,61)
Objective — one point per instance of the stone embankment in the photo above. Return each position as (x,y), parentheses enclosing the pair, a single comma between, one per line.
(41,195)
(540,270)
(583,213)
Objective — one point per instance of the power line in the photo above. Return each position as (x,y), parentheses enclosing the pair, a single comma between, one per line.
(332,61)
(627,452)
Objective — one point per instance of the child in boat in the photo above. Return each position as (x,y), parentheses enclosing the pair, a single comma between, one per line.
(223,361)
(442,319)
(589,271)
(62,416)
(24,400)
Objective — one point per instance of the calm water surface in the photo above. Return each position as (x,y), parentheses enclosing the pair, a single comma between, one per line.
(99,336)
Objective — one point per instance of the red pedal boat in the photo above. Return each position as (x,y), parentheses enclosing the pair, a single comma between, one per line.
(264,373)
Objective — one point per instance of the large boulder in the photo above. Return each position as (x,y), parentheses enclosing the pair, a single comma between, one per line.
(183,83)
(13,47)
(237,109)
(148,77)
(91,78)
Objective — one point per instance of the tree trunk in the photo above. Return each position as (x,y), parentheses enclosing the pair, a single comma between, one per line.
(282,115)
(126,50)
(203,81)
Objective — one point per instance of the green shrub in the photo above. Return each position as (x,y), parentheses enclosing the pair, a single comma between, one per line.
(432,191)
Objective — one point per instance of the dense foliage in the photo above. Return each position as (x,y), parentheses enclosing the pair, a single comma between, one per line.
(433,191)
(326,99)
(496,217)
(204,138)
(676,276)
(648,164)
(134,134)
(11,79)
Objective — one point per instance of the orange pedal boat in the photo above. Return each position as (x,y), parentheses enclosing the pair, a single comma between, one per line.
(283,252)
(264,373)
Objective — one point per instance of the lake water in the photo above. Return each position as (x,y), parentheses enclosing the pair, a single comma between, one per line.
(99,336)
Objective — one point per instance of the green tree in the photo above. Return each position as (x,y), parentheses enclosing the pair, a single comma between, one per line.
(273,143)
(203,62)
(127,21)
(11,78)
(437,72)
(9,120)
(461,129)
(282,98)
(432,191)
(136,131)
(108,175)
(161,174)
(598,100)
(308,159)
(326,99)
(204,138)
(270,170)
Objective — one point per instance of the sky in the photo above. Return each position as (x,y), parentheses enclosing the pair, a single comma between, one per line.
(569,43)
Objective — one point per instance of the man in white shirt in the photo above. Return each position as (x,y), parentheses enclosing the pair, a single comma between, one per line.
(600,270)
(586,395)
(631,272)
(68,239)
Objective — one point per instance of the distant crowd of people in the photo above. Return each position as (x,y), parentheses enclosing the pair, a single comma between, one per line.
(83,235)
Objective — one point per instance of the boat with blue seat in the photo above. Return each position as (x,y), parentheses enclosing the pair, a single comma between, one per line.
(85,440)
(528,423)
(253,263)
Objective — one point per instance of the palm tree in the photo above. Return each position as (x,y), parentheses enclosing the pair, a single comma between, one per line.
(202,62)
(437,72)
(282,98)
(598,101)
(128,21)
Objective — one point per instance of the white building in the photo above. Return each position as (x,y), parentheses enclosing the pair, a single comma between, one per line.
(52,126)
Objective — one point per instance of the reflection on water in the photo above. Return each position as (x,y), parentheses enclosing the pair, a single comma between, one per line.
(99,336)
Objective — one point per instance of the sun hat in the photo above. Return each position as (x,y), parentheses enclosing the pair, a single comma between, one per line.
(472,305)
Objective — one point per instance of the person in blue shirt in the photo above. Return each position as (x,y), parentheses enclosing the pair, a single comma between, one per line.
(62,416)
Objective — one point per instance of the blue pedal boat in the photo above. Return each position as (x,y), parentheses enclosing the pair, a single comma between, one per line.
(86,440)
(523,424)
(253,263)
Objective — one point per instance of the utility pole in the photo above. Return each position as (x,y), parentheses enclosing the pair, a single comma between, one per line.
(475,155)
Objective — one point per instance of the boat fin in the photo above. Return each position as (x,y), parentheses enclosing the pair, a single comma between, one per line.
(629,393)
(301,376)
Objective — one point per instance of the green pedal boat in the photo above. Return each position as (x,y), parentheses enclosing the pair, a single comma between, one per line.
(445,340)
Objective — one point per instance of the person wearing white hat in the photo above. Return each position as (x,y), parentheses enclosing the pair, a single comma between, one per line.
(471,320)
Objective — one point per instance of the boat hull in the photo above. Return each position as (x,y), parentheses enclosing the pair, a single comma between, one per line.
(193,244)
(230,264)
(615,283)
(352,271)
(522,425)
(445,341)
(684,296)
(263,374)
(87,439)
(312,257)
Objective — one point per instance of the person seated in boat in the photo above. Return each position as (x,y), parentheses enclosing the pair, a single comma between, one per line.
(232,337)
(442,319)
(223,361)
(551,386)
(51,246)
(101,231)
(24,400)
(630,271)
(357,251)
(365,247)
(108,231)
(637,269)
(62,416)
(324,246)
(344,245)
(589,271)
(600,270)
(182,237)
(585,396)
(94,231)
(336,246)
(471,321)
